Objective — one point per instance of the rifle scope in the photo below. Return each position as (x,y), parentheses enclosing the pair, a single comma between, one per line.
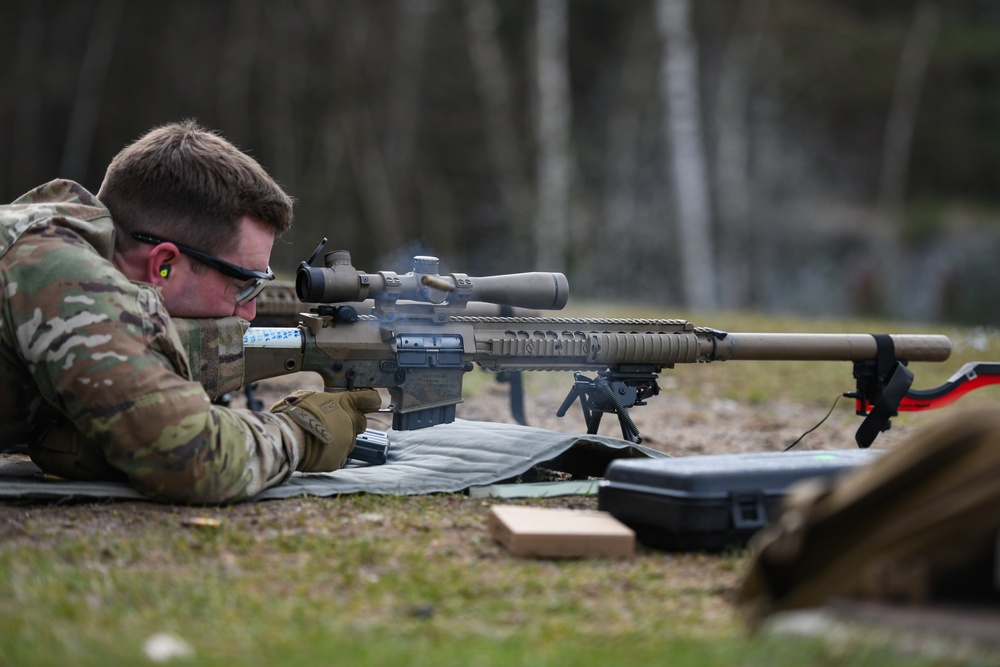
(339,282)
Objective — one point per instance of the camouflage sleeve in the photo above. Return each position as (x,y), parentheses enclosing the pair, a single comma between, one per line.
(104,353)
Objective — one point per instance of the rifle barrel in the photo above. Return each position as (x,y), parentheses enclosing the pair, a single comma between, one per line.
(825,347)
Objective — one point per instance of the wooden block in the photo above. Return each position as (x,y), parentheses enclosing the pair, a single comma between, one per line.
(559,533)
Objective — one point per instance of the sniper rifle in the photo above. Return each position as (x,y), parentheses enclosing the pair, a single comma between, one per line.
(412,334)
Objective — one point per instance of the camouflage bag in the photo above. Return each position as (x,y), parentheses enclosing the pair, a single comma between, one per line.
(215,351)
(920,524)
(58,449)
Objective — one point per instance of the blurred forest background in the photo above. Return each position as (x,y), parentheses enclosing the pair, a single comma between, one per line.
(828,157)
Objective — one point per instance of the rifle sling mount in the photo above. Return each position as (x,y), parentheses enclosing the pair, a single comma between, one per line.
(882,383)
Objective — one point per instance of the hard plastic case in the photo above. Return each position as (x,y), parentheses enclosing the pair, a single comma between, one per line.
(711,502)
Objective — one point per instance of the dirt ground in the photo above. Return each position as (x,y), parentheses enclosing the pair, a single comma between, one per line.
(681,427)
(670,422)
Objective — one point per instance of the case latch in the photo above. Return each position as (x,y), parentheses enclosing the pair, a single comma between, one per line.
(748,510)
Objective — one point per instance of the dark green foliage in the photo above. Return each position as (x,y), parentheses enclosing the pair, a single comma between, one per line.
(370,113)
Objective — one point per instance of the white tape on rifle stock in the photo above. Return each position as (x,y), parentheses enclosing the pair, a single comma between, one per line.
(275,337)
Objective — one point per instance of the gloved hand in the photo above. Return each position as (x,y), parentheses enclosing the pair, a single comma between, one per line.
(331,421)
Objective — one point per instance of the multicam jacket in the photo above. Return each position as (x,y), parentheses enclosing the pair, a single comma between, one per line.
(83,347)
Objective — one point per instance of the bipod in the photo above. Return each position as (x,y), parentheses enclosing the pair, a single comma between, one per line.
(611,391)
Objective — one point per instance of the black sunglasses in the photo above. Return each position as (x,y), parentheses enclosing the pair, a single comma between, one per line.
(227,269)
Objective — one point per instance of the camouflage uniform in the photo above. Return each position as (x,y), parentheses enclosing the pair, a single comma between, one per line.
(91,359)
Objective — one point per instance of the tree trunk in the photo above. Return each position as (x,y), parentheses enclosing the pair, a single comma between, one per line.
(284,72)
(505,147)
(553,134)
(903,108)
(26,98)
(732,157)
(897,142)
(679,87)
(404,108)
(618,240)
(352,111)
(90,89)
(233,102)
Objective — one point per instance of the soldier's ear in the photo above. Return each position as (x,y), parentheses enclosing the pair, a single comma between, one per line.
(160,262)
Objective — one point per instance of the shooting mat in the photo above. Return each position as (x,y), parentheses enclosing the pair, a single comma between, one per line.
(443,459)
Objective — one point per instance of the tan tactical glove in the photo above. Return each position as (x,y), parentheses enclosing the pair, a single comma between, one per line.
(331,422)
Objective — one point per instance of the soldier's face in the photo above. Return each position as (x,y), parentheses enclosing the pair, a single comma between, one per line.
(208,293)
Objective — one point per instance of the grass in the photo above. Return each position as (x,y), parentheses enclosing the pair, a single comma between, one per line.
(357,580)
(371,580)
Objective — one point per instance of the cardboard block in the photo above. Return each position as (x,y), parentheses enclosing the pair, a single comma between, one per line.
(559,533)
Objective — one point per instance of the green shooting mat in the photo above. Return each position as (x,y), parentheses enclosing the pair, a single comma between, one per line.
(448,458)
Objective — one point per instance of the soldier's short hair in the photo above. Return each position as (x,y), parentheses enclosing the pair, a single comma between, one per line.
(188,184)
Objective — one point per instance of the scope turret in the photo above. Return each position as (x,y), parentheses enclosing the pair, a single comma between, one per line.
(339,282)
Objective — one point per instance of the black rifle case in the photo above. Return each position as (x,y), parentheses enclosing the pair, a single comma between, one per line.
(711,502)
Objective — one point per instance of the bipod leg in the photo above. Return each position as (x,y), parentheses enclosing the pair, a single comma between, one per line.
(581,389)
(592,418)
(630,431)
(254,403)
(514,379)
